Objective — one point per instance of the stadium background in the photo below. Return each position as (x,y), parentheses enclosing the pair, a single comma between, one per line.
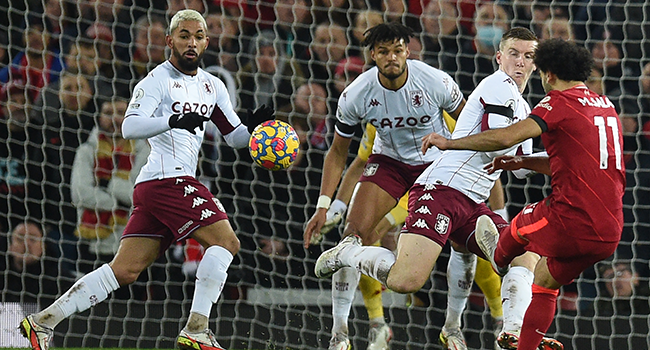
(272,299)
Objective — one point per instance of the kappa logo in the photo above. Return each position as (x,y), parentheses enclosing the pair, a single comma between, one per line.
(197,201)
(178,180)
(189,189)
(426,197)
(374,103)
(177,85)
(420,223)
(206,213)
(423,210)
(371,169)
(219,205)
(442,224)
(429,187)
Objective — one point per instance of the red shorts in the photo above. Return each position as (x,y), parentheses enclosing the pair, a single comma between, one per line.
(391,175)
(566,254)
(171,209)
(441,213)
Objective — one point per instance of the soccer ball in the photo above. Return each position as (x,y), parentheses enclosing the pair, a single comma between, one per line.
(274,145)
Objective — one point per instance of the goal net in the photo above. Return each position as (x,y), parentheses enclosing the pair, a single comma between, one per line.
(66,66)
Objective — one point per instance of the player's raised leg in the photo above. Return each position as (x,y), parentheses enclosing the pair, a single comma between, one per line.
(133,256)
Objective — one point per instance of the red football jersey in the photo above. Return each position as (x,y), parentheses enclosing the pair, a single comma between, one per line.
(585,146)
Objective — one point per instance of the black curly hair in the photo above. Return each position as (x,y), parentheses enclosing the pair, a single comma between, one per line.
(565,59)
(386,32)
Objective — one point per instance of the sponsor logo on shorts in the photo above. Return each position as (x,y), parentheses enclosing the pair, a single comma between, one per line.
(423,210)
(186,226)
(442,224)
(197,201)
(429,187)
(206,213)
(426,197)
(371,169)
(420,223)
(189,189)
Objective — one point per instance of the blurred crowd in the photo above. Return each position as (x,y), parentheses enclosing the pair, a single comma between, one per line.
(67,70)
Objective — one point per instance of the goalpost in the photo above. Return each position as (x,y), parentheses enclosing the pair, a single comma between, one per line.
(272,299)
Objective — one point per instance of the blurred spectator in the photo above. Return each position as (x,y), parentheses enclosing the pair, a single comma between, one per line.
(64,118)
(399,11)
(110,22)
(330,45)
(332,11)
(82,58)
(441,35)
(618,77)
(148,50)
(224,46)
(595,82)
(557,27)
(36,65)
(346,71)
(476,59)
(292,22)
(363,21)
(621,292)
(415,49)
(18,193)
(267,78)
(31,273)
(174,6)
(102,180)
(60,21)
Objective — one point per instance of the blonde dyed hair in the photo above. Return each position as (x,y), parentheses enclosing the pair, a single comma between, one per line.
(186,15)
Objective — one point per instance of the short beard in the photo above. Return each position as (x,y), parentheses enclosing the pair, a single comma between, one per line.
(185,65)
(393,76)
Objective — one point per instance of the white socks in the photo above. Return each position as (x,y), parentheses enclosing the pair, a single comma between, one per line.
(88,291)
(344,285)
(516,293)
(210,277)
(375,262)
(460,276)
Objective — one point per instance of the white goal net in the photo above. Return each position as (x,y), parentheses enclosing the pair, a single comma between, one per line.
(66,65)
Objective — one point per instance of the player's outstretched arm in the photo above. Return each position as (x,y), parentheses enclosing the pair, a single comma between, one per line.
(333,167)
(532,162)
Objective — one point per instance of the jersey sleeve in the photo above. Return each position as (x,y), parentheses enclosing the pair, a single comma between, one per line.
(541,113)
(347,113)
(223,115)
(147,97)
(448,96)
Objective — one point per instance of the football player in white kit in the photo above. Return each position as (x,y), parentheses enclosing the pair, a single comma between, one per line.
(404,100)
(449,196)
(169,108)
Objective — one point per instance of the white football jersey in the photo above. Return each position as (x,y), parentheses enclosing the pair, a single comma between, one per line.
(402,117)
(166,91)
(495,103)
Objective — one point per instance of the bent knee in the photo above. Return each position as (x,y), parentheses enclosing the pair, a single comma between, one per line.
(401,285)
(126,276)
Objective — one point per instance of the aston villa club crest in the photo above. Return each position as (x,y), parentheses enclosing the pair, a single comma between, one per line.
(417,98)
(371,169)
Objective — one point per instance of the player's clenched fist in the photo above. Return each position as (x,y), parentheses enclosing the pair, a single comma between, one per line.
(187,121)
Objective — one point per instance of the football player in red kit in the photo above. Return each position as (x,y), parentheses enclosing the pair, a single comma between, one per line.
(580,222)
